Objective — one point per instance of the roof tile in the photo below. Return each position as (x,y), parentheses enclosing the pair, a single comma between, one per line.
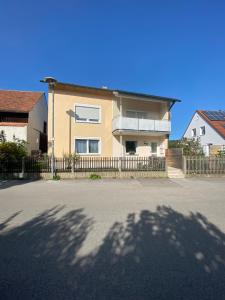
(18,101)
(219,126)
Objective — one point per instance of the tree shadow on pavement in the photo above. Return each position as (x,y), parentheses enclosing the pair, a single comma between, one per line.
(154,255)
(8,183)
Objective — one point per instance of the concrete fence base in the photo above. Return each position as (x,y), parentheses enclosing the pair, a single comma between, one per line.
(77,175)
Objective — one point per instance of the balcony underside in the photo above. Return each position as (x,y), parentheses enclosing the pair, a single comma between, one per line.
(139,132)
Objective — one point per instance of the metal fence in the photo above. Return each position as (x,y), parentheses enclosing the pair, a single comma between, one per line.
(204,165)
(83,164)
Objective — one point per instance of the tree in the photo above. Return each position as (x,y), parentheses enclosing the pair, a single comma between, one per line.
(12,151)
(221,153)
(191,147)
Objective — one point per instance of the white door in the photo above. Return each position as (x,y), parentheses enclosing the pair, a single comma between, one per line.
(154,148)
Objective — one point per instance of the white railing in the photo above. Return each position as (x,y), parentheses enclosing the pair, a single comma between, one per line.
(125,123)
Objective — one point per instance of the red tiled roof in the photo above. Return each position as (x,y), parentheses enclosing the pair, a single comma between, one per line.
(18,101)
(219,126)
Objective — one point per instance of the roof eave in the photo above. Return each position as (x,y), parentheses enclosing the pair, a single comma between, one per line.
(112,92)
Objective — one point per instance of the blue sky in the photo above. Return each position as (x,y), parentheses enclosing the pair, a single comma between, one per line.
(173,48)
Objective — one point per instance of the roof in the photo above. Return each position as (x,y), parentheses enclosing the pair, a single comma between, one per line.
(111,92)
(18,101)
(217,125)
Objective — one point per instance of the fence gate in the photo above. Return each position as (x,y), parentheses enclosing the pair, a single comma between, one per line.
(174,157)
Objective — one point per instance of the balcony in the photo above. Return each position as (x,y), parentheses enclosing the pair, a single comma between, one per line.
(125,125)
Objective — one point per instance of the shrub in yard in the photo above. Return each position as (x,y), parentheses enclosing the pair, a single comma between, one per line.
(191,147)
(221,153)
(56,177)
(12,151)
(95,176)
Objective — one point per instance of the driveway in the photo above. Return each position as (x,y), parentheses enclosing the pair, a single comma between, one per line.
(113,239)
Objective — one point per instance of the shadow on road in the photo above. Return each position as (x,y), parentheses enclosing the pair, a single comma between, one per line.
(154,255)
(8,183)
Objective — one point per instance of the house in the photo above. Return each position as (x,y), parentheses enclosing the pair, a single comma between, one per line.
(104,122)
(23,116)
(209,127)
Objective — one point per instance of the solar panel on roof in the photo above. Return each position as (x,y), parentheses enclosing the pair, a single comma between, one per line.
(215,115)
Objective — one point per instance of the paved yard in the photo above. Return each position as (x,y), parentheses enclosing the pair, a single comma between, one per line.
(113,239)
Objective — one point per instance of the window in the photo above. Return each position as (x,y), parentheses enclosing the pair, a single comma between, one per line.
(87,146)
(131,147)
(87,114)
(136,114)
(202,130)
(154,147)
(193,132)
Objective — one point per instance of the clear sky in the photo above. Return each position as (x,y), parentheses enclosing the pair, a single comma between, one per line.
(173,48)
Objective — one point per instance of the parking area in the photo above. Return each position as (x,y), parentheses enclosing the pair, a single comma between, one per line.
(113,239)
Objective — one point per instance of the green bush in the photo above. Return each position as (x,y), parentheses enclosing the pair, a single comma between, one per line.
(221,153)
(56,177)
(11,154)
(95,176)
(191,147)
(12,151)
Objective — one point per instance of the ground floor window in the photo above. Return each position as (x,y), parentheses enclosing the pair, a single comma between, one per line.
(131,147)
(87,146)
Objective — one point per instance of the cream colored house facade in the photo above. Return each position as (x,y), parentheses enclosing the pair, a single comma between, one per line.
(101,122)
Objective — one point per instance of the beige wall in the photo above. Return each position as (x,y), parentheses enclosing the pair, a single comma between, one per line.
(143,144)
(66,129)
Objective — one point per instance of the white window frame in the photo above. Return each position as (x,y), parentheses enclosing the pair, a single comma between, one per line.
(201,130)
(89,138)
(88,121)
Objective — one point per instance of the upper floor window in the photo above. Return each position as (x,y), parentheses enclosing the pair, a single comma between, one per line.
(87,113)
(193,132)
(202,130)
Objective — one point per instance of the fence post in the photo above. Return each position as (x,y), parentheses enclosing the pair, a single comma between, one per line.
(23,167)
(120,165)
(184,165)
(73,163)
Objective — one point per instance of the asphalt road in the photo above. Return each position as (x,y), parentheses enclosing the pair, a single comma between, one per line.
(113,239)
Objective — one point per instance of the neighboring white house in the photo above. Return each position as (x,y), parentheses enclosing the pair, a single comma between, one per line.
(209,128)
(23,116)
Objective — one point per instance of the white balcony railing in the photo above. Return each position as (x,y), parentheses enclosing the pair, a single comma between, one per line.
(125,123)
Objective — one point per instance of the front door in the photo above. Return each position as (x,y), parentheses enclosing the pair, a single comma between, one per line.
(154,148)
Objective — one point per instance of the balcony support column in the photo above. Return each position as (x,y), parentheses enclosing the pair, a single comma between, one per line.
(121,145)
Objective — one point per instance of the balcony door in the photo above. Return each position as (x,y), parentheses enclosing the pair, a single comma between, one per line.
(136,114)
